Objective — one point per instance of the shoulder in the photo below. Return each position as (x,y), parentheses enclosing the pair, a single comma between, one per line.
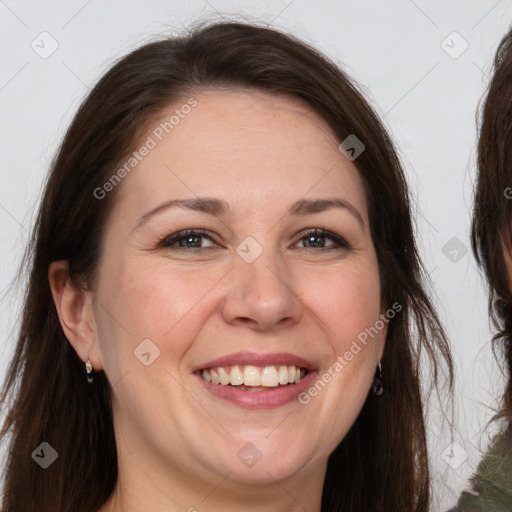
(492,484)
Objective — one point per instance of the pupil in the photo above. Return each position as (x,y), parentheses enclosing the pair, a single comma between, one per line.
(312,239)
(189,241)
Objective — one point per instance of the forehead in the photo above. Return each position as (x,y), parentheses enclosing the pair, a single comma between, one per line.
(242,146)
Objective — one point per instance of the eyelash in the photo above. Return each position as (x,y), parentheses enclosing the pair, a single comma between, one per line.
(341,243)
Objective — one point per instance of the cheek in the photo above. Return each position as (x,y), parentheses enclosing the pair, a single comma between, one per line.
(348,302)
(151,302)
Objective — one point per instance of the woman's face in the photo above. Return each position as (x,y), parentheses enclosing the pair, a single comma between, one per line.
(256,296)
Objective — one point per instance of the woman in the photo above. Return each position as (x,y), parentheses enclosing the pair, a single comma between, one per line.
(223,293)
(491,239)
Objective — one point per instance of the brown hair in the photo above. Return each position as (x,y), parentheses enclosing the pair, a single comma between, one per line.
(491,230)
(381,465)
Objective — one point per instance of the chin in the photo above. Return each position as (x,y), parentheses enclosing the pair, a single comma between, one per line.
(269,457)
(266,471)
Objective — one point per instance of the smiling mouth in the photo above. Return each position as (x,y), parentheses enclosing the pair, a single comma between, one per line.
(254,378)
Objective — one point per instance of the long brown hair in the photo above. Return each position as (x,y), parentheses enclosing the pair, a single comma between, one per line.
(491,230)
(381,465)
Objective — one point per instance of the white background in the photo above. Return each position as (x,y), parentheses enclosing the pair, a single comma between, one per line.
(394,49)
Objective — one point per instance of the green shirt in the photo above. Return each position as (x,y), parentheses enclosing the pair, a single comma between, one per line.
(492,484)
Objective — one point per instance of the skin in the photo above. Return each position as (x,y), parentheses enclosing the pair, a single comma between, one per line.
(177,443)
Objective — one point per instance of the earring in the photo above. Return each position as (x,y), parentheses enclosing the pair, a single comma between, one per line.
(377,387)
(90,371)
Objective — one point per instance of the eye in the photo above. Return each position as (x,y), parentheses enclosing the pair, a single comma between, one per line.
(316,239)
(195,239)
(187,239)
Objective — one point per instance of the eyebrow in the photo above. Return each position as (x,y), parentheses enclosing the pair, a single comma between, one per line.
(218,207)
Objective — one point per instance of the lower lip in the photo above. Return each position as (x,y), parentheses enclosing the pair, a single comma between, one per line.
(275,397)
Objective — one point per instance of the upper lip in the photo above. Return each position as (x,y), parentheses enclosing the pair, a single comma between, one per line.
(256,359)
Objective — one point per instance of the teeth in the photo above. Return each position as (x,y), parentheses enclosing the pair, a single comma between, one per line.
(254,376)
(224,377)
(269,377)
(283,375)
(215,376)
(236,376)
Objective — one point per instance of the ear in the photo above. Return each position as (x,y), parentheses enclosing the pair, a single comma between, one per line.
(76,314)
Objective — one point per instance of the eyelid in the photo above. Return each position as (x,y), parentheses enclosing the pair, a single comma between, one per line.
(171,239)
(340,242)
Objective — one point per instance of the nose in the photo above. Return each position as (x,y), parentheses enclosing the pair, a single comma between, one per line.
(261,295)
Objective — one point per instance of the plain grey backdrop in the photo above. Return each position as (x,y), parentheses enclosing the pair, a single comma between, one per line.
(424,65)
